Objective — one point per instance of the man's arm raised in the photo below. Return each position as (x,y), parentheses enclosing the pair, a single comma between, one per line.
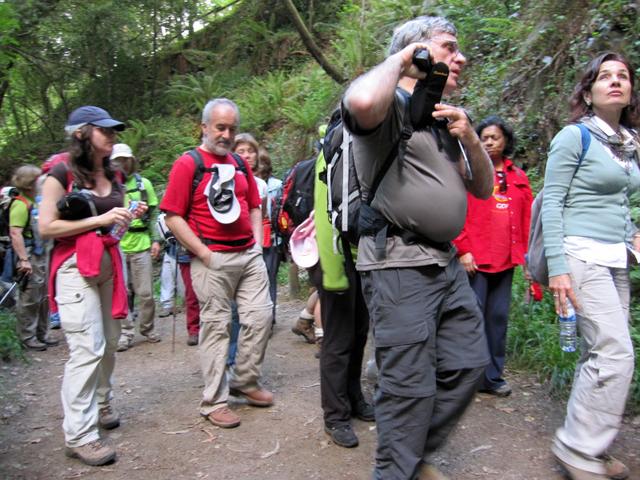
(369,97)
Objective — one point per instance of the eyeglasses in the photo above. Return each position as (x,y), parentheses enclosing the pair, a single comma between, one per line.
(502,181)
(108,131)
(451,46)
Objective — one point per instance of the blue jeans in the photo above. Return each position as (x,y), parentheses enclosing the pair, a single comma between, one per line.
(235,329)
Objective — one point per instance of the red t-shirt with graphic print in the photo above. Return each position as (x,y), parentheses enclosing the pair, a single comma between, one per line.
(178,199)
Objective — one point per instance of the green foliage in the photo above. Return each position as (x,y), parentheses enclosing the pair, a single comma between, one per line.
(166,139)
(261,100)
(312,97)
(10,347)
(191,92)
(533,342)
(533,339)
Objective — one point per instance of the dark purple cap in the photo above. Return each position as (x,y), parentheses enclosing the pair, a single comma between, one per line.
(93,116)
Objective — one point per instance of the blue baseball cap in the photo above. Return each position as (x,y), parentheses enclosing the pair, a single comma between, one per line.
(90,115)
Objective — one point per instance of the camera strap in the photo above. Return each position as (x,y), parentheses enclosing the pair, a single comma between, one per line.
(426,94)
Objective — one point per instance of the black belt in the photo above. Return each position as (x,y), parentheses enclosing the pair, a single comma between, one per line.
(229,243)
(413,238)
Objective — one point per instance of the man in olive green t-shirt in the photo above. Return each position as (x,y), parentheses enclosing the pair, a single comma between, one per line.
(139,245)
(32,305)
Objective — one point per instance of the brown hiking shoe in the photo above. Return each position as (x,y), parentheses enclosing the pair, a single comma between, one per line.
(578,474)
(34,344)
(96,453)
(108,418)
(260,397)
(224,417)
(430,472)
(615,468)
(304,328)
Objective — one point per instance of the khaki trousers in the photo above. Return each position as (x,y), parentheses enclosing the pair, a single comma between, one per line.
(140,282)
(605,369)
(231,275)
(33,308)
(92,335)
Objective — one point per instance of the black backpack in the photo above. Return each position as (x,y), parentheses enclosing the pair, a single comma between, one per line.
(344,192)
(7,256)
(296,201)
(200,168)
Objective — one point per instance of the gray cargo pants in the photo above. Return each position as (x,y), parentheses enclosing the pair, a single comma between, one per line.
(431,352)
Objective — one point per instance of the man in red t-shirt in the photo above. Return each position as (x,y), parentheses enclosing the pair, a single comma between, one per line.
(220,223)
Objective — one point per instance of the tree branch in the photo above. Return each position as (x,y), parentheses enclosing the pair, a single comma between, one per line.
(311,45)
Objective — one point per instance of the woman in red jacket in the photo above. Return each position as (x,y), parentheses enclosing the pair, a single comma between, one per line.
(494,241)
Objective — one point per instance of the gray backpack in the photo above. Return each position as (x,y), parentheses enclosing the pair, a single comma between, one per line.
(536,258)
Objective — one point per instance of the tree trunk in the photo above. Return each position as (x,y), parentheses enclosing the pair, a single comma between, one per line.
(311,45)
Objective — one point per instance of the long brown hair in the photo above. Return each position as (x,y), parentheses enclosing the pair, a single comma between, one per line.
(80,162)
(630,116)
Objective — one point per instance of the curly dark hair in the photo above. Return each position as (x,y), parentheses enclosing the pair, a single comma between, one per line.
(507,131)
(80,162)
(630,116)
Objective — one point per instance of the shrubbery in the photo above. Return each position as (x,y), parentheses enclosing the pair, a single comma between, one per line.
(10,348)
(533,342)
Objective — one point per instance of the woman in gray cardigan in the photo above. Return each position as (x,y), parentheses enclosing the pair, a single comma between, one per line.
(588,235)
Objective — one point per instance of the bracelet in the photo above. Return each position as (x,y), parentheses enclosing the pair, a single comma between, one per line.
(23,259)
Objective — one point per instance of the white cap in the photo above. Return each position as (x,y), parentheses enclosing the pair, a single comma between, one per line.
(121,150)
(221,196)
(303,245)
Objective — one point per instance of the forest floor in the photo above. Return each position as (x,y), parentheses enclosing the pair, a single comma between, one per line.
(163,437)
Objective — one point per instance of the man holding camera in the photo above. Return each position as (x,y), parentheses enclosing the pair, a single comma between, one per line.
(430,345)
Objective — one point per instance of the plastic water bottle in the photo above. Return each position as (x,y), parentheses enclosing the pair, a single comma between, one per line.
(568,329)
(118,230)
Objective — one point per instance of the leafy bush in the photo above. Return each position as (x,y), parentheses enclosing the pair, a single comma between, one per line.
(533,345)
(10,347)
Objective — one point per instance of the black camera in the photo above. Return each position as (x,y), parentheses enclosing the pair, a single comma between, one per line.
(76,206)
(427,91)
(422,60)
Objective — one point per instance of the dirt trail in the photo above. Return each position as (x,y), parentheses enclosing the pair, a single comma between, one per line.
(162,437)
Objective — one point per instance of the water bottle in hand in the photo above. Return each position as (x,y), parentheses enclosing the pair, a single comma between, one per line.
(118,230)
(568,329)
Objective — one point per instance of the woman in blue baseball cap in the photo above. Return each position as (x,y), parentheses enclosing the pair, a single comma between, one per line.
(86,281)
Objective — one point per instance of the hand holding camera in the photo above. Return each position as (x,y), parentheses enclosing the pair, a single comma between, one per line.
(428,91)
(422,60)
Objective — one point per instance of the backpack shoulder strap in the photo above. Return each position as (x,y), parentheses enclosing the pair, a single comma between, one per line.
(197,175)
(240,164)
(585,137)
(71,184)
(398,149)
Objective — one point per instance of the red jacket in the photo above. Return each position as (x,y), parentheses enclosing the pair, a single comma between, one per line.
(89,248)
(476,234)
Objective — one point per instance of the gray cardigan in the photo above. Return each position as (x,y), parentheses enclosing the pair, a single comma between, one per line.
(593,204)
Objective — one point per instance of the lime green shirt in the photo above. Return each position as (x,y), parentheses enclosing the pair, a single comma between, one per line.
(19,215)
(134,242)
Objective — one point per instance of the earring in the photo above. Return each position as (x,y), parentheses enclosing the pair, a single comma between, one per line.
(588,102)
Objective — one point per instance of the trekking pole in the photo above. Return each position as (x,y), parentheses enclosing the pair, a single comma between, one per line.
(175,304)
(12,287)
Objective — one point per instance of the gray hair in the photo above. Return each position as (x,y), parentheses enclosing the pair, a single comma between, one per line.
(419,29)
(216,102)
